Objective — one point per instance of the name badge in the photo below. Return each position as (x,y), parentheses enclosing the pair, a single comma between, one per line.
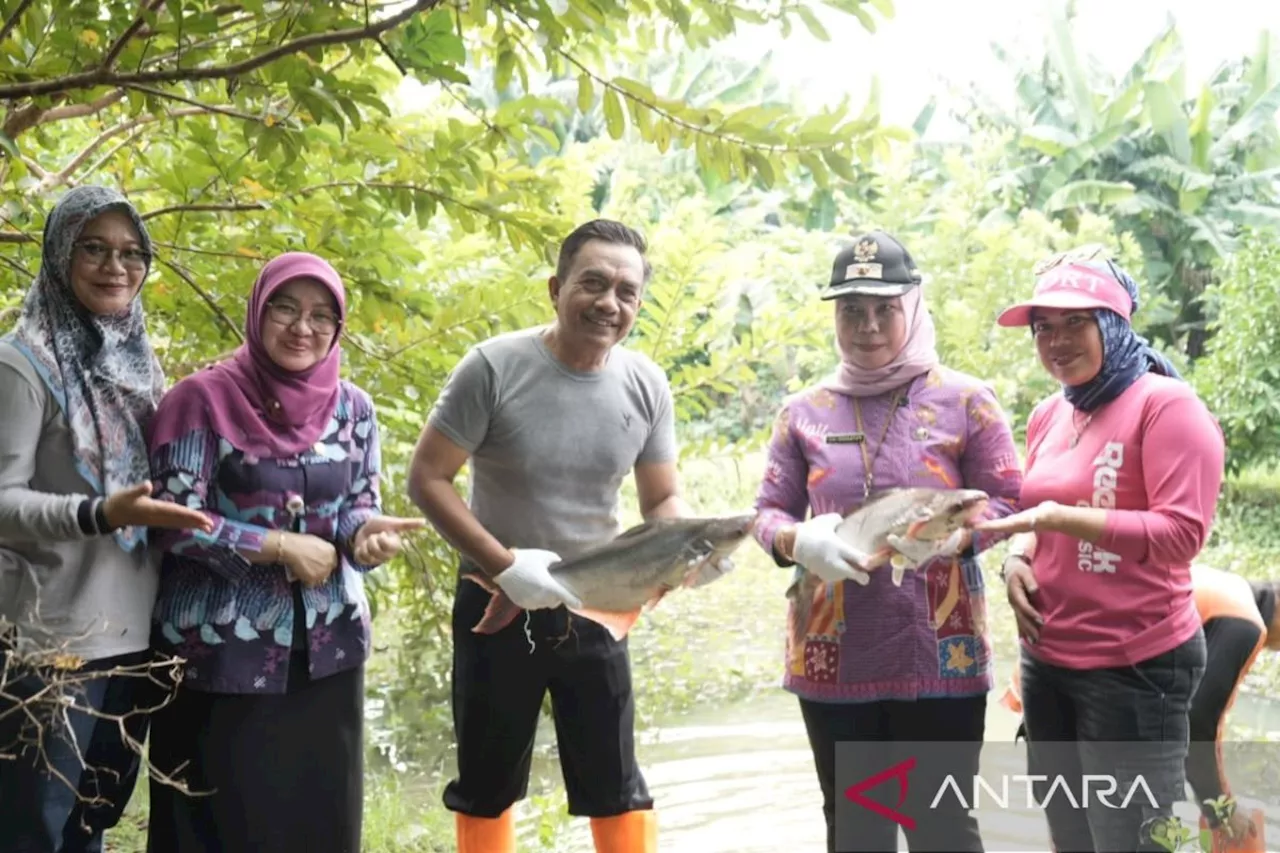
(845,438)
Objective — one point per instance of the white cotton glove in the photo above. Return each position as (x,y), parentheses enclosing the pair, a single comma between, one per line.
(820,551)
(711,570)
(528,583)
(912,553)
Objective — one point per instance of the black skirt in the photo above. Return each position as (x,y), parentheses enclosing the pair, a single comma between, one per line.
(285,771)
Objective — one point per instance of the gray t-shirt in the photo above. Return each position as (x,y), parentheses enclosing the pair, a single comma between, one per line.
(94,599)
(550,446)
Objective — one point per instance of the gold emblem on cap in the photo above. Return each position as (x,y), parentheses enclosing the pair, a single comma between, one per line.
(865,250)
(875,271)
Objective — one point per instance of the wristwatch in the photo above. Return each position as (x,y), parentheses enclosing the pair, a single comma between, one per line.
(1022,557)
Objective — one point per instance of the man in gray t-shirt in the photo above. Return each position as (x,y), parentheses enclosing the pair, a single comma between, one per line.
(552,420)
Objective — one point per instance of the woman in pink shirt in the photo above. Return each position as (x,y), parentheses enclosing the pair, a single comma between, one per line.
(1121,484)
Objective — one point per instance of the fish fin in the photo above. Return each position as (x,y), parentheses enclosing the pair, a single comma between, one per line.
(640,528)
(657,596)
(617,624)
(500,612)
(914,528)
(877,495)
(481,580)
(801,593)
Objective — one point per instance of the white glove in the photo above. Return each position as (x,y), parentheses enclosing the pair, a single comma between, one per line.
(528,583)
(820,551)
(711,570)
(912,553)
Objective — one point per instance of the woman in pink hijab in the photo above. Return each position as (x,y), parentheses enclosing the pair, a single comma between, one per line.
(269,609)
(878,658)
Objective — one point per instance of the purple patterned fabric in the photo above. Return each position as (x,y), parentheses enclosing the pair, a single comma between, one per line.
(234,620)
(927,638)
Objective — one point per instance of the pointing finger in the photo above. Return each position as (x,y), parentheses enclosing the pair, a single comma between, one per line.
(401,525)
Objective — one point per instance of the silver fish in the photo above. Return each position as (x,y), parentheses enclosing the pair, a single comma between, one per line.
(915,513)
(616,580)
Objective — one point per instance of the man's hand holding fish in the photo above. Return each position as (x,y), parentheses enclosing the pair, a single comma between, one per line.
(530,585)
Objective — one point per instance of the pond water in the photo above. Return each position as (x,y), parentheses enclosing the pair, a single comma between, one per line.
(740,778)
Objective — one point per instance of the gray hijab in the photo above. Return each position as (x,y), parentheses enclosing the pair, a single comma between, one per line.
(100,369)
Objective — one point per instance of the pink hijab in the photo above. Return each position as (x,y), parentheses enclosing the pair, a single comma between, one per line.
(259,408)
(918,355)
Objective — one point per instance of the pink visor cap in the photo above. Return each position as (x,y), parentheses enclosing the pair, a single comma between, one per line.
(1071,287)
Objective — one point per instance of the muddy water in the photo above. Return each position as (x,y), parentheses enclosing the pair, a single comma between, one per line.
(741,780)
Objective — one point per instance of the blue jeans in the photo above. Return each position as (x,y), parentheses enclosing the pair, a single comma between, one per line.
(47,814)
(1128,724)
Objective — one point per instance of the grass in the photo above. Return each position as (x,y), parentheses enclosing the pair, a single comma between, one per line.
(708,648)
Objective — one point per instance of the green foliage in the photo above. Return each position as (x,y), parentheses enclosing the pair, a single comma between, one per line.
(1239,378)
(1181,172)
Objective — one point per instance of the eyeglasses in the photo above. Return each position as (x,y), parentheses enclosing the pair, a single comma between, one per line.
(286,314)
(100,254)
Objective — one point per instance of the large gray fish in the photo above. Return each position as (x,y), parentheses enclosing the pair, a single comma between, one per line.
(617,579)
(914,513)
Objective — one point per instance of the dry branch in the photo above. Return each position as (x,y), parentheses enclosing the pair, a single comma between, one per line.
(60,678)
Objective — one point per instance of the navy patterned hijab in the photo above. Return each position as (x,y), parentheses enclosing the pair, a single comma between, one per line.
(1126,356)
(100,369)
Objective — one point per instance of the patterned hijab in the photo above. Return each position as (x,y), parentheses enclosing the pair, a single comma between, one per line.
(1126,355)
(100,369)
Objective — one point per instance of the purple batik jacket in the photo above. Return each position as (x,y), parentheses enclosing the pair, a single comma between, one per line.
(927,638)
(233,620)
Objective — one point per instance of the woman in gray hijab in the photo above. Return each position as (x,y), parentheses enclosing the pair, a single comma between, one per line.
(79,383)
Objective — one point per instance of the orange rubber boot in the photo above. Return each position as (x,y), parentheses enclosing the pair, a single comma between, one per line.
(486,834)
(629,832)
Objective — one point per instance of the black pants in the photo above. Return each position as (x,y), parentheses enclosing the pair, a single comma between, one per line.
(1121,722)
(71,775)
(958,722)
(286,771)
(498,687)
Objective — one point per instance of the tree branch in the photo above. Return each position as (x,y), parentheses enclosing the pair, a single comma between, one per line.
(204,208)
(118,48)
(252,259)
(12,20)
(81,110)
(16,237)
(101,77)
(208,300)
(32,115)
(210,108)
(57,179)
(692,127)
(106,158)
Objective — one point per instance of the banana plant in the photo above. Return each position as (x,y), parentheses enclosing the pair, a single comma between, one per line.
(1182,172)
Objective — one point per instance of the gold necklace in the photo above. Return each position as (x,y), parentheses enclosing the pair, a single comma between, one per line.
(868,461)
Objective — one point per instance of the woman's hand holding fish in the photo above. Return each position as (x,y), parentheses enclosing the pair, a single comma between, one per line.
(821,551)
(528,581)
(1027,521)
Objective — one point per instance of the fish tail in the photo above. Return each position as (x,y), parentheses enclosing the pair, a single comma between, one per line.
(801,595)
(499,613)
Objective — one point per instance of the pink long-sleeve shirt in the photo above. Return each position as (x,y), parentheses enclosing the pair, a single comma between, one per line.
(1153,458)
